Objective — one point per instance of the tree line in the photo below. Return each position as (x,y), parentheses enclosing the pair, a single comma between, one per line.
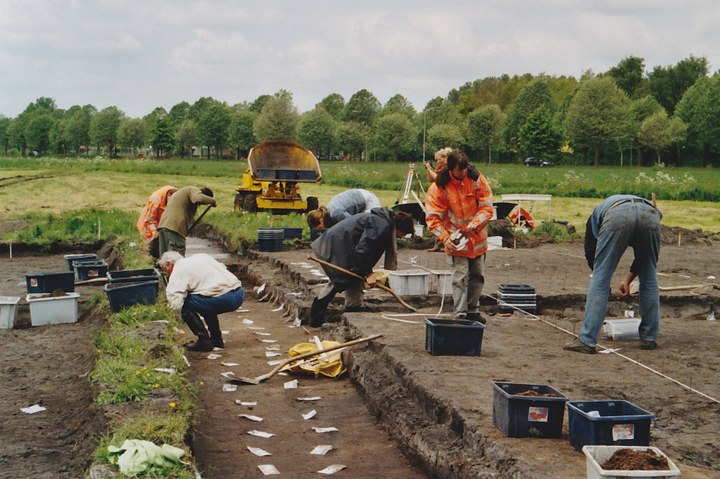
(625,116)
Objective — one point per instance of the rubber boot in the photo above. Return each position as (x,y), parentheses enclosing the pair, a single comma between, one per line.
(214,327)
(203,343)
(319,306)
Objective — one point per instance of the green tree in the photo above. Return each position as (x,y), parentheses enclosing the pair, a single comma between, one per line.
(16,133)
(658,132)
(4,137)
(441,135)
(399,104)
(132,133)
(178,114)
(668,84)
(362,108)
(534,95)
(394,132)
(278,119)
(317,130)
(334,104)
(37,132)
(484,129)
(699,108)
(240,132)
(212,128)
(597,114)
(628,74)
(539,136)
(259,103)
(185,135)
(77,127)
(104,128)
(353,139)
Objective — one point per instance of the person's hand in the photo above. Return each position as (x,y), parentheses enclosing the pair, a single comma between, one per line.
(371,280)
(472,226)
(623,290)
(449,244)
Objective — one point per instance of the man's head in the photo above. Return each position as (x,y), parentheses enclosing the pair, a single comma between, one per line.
(441,157)
(404,224)
(207,192)
(167,261)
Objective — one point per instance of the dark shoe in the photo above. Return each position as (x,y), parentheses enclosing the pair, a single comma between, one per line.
(476,317)
(353,309)
(202,344)
(648,344)
(579,347)
(218,342)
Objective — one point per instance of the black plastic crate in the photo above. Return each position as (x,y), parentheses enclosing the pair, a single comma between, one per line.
(528,410)
(49,282)
(453,337)
(73,258)
(608,423)
(133,275)
(90,269)
(124,295)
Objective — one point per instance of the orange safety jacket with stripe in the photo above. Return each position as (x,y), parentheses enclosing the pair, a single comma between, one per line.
(150,216)
(455,206)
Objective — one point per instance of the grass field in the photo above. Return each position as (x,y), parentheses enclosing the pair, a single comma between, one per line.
(36,189)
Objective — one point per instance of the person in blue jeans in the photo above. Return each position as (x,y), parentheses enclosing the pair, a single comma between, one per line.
(619,222)
(200,286)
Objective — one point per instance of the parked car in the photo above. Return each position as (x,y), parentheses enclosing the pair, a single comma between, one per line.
(534,161)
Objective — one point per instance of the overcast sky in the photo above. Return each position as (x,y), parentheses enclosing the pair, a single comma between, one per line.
(142,54)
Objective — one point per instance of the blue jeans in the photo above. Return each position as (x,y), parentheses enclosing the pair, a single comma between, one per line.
(628,224)
(468,279)
(210,306)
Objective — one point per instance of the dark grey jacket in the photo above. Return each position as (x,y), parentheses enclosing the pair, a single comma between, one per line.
(356,244)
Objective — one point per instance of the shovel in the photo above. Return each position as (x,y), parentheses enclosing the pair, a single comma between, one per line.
(350,273)
(276,369)
(192,226)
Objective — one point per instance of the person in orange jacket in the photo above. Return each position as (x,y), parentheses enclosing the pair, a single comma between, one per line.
(458,209)
(150,217)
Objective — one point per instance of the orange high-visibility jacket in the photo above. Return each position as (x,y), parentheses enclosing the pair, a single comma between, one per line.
(150,216)
(457,205)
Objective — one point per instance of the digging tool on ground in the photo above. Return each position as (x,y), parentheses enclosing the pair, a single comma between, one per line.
(350,273)
(198,219)
(276,369)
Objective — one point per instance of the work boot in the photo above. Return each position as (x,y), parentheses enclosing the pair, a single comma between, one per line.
(203,343)
(579,347)
(319,306)
(214,327)
(648,344)
(193,321)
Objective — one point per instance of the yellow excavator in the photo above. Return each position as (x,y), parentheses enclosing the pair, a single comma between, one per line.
(272,181)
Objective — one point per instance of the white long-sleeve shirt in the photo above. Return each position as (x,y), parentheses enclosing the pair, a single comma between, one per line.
(198,274)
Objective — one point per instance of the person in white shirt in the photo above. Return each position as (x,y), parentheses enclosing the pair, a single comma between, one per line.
(200,286)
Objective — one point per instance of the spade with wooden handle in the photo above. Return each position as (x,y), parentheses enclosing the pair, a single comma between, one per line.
(350,273)
(276,369)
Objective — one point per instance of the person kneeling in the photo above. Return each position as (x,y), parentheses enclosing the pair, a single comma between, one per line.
(200,286)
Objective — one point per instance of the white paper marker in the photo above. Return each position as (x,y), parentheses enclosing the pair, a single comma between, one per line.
(251,417)
(331,469)
(322,430)
(268,470)
(258,452)
(256,433)
(321,450)
(32,409)
(309,415)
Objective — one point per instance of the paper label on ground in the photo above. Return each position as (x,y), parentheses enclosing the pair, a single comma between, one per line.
(321,430)
(291,384)
(275,362)
(309,415)
(268,340)
(312,398)
(321,450)
(256,433)
(166,370)
(332,469)
(538,414)
(247,321)
(623,432)
(213,356)
(246,403)
(32,409)
(258,452)
(229,365)
(251,417)
(271,354)
(268,470)
(229,388)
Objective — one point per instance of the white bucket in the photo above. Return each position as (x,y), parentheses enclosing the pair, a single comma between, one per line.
(8,311)
(47,309)
(409,282)
(616,329)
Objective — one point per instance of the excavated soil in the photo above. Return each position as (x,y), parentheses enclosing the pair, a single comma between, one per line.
(435,410)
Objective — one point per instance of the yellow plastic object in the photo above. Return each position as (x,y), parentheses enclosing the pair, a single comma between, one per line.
(329,364)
